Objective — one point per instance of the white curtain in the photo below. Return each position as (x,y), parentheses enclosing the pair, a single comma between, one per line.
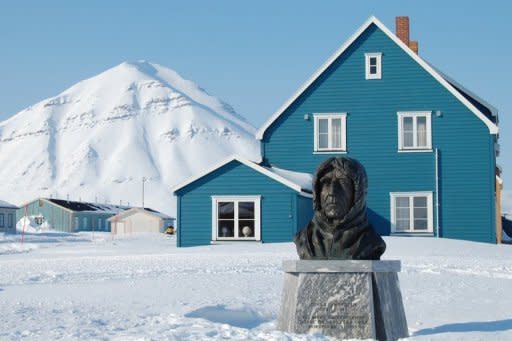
(421,127)
(336,133)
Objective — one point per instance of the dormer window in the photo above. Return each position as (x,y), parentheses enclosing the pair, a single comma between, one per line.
(373,65)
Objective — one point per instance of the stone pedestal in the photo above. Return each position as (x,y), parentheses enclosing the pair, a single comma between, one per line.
(345,299)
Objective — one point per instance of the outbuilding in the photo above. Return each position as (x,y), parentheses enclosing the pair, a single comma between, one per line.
(7,215)
(138,219)
(70,216)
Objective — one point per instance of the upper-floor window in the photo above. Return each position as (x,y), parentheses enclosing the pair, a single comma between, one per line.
(414,131)
(330,132)
(373,65)
(411,212)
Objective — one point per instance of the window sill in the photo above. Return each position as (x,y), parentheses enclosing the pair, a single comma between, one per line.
(412,234)
(233,241)
(415,150)
(330,152)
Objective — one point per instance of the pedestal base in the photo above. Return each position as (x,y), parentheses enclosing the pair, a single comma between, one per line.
(343,299)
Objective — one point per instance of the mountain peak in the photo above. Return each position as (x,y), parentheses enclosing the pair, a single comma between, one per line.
(100,136)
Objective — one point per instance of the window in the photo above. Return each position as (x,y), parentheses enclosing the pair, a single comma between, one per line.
(10,220)
(330,132)
(411,212)
(2,222)
(39,220)
(100,225)
(373,65)
(236,218)
(414,131)
(84,223)
(77,224)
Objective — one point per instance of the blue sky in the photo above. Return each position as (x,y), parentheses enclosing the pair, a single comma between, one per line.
(252,54)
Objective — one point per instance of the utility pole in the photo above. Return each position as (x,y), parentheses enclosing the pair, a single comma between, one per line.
(143,180)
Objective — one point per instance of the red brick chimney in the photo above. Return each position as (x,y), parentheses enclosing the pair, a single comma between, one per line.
(402,32)
(402,29)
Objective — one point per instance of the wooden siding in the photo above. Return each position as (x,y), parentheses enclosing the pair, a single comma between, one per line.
(465,147)
(61,219)
(278,219)
(92,223)
(8,225)
(304,212)
(58,218)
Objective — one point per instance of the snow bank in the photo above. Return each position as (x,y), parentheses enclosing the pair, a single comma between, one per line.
(29,225)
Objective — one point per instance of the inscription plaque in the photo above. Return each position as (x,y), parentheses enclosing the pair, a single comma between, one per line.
(344,303)
(345,299)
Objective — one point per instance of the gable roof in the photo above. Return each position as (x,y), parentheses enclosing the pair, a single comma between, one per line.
(485,107)
(287,178)
(79,206)
(5,204)
(145,210)
(493,128)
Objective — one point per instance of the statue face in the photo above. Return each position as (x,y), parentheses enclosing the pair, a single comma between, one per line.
(337,194)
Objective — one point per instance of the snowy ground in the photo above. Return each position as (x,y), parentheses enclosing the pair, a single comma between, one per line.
(80,286)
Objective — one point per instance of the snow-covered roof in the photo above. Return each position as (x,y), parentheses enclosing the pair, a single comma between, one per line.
(304,180)
(5,204)
(493,128)
(144,210)
(84,207)
(294,180)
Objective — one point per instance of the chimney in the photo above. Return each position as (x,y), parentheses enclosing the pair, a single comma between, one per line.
(402,32)
(413,44)
(402,29)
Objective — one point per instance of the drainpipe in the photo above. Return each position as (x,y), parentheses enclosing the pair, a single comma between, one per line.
(437,192)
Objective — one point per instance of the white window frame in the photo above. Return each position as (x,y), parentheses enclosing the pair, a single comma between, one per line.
(330,117)
(368,56)
(414,114)
(411,196)
(257,216)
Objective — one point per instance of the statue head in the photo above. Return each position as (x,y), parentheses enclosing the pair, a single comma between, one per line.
(339,188)
(339,228)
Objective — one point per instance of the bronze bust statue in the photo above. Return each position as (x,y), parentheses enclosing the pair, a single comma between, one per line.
(339,228)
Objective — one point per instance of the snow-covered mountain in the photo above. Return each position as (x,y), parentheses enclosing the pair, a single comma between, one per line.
(97,140)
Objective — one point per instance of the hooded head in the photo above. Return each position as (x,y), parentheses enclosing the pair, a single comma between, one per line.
(339,190)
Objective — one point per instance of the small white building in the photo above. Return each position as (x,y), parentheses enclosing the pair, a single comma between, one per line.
(7,217)
(140,220)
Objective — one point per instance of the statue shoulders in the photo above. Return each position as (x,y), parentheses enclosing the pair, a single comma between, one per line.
(302,241)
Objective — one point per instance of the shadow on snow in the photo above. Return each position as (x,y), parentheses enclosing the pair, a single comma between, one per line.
(242,318)
(488,326)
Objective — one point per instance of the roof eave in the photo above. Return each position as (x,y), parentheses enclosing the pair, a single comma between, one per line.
(247,163)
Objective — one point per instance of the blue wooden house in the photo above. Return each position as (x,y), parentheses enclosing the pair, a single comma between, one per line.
(428,144)
(70,216)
